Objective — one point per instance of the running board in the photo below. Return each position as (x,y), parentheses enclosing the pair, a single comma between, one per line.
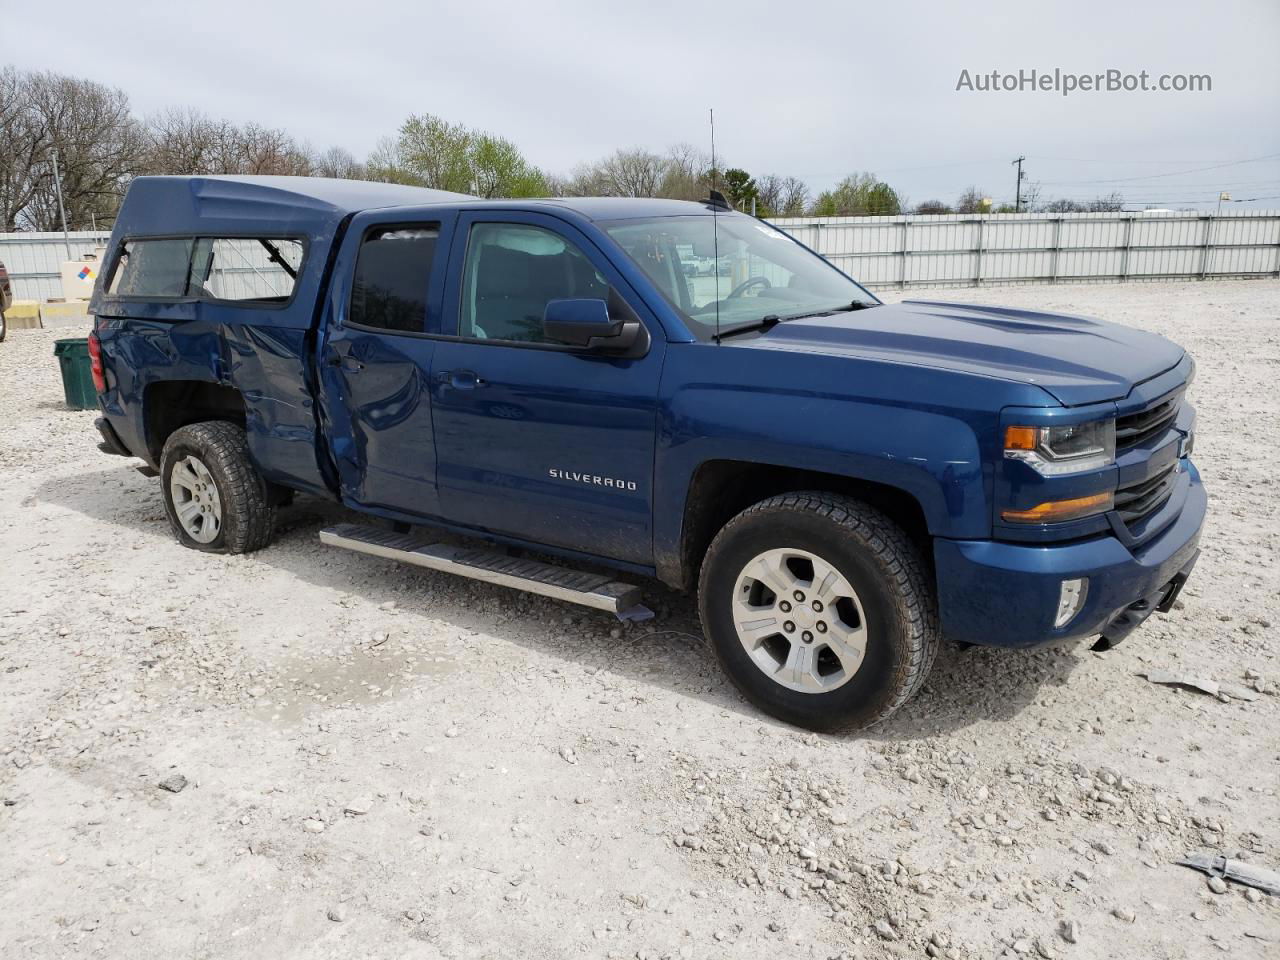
(587,589)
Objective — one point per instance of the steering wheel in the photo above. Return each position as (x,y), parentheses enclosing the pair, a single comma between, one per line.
(746,285)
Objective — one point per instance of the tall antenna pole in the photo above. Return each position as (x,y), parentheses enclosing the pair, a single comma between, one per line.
(1017,190)
(57,183)
(715,226)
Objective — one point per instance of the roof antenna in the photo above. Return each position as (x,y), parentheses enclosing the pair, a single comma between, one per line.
(715,228)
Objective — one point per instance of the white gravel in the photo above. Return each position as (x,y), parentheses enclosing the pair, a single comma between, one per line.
(384,762)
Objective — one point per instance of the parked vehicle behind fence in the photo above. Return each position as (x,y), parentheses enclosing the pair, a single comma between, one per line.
(842,483)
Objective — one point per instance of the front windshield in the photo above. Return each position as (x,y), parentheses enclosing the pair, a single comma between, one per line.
(760,272)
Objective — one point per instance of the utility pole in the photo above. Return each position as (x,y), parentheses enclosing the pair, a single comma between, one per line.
(1017,190)
(57,183)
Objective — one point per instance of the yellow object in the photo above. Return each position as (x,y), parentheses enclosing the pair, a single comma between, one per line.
(1021,438)
(1056,510)
(23,315)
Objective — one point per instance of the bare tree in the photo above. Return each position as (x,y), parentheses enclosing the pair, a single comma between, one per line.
(632,173)
(338,162)
(100,148)
(1111,203)
(264,151)
(1062,206)
(24,148)
(184,142)
(795,197)
(586,180)
(687,174)
(931,208)
(972,201)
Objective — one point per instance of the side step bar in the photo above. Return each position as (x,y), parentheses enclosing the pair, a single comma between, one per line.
(588,589)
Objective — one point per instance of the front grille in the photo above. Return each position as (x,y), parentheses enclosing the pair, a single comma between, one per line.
(1139,500)
(1135,428)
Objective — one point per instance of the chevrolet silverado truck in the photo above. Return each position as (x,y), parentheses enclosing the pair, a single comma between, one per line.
(843,483)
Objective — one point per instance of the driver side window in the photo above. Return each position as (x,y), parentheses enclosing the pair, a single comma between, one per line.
(511,271)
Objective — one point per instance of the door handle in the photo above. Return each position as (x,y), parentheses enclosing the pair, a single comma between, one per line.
(350,364)
(461,379)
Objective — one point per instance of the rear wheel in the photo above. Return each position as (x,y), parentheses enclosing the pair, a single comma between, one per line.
(215,498)
(3,325)
(820,610)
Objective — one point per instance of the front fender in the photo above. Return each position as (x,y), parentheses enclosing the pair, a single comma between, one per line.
(834,415)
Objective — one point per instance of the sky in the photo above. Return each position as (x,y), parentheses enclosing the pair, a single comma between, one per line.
(812,88)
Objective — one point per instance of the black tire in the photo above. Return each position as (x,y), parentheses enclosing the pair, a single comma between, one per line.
(4,326)
(879,562)
(247,514)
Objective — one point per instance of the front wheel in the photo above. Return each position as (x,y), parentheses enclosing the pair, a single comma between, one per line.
(820,610)
(213,494)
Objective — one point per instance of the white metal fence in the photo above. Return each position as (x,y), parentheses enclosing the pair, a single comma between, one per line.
(34,260)
(971,249)
(950,250)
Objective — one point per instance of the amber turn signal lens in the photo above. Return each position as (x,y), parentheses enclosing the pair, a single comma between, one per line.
(1021,438)
(1057,510)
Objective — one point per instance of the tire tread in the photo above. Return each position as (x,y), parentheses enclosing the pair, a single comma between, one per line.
(893,551)
(248,515)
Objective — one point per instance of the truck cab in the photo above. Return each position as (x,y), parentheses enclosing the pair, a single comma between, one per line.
(842,482)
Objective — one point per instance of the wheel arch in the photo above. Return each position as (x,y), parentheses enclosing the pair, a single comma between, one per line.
(170,404)
(721,489)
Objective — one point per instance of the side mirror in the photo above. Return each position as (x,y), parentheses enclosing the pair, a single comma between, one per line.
(587,324)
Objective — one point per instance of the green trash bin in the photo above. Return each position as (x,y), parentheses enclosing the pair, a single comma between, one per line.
(77,373)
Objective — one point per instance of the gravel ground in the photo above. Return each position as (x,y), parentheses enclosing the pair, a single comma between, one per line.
(307,753)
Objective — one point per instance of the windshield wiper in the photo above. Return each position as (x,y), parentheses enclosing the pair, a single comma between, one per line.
(767,322)
(771,320)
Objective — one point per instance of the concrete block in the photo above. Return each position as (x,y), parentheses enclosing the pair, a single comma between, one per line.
(23,315)
(61,315)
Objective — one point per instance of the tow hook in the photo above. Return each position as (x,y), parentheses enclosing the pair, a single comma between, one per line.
(1132,616)
(1123,624)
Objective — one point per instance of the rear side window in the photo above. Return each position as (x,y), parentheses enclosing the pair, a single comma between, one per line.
(250,271)
(245,269)
(393,274)
(153,268)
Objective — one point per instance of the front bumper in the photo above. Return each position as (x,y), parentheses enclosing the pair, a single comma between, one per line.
(1002,594)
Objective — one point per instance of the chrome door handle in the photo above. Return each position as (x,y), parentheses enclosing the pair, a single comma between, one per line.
(462,379)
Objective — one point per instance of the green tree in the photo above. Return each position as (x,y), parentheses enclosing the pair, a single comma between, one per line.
(858,195)
(436,152)
(498,169)
(740,188)
(431,152)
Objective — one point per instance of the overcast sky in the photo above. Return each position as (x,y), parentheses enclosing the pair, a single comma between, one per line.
(814,89)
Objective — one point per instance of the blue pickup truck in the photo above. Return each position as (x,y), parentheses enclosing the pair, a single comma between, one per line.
(842,482)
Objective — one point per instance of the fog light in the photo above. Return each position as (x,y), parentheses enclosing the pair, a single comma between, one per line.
(1070,600)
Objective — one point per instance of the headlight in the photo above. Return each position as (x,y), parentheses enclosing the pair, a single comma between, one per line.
(1053,451)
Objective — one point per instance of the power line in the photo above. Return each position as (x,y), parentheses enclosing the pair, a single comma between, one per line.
(1172,173)
(1113,160)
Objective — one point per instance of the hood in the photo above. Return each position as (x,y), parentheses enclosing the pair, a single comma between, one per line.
(1076,359)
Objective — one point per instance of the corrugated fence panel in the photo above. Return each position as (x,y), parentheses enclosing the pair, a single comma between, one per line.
(1043,247)
(899,251)
(34,260)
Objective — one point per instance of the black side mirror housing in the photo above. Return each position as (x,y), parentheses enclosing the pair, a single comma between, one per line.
(585,323)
